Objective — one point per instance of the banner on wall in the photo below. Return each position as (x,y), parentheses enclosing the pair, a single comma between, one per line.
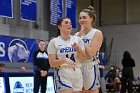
(28,10)
(6,8)
(14,49)
(56,11)
(71,11)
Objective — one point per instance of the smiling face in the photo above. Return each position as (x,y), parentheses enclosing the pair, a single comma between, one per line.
(65,27)
(85,20)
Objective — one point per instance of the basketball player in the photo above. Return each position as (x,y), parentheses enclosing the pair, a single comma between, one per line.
(93,39)
(64,52)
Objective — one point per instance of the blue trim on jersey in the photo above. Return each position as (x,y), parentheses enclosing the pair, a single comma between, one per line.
(94,78)
(61,81)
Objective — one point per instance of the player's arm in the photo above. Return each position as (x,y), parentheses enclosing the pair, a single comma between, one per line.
(95,44)
(54,62)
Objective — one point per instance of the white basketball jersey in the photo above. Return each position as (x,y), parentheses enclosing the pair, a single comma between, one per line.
(64,48)
(87,40)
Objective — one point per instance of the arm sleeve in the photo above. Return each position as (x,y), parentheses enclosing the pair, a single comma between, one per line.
(35,62)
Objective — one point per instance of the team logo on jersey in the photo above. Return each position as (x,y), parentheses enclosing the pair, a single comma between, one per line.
(86,40)
(18,88)
(18,51)
(67,49)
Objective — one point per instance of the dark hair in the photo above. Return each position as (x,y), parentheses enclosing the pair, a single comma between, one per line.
(59,23)
(41,40)
(126,55)
(91,12)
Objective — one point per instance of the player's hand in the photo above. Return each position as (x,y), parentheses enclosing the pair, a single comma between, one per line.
(70,62)
(76,46)
(82,28)
(81,32)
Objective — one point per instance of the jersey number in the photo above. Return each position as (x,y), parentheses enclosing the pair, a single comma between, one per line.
(71,57)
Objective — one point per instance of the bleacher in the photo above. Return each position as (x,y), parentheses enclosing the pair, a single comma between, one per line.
(136,85)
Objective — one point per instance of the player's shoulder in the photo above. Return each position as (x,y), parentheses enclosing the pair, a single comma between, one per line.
(51,42)
(97,30)
(53,39)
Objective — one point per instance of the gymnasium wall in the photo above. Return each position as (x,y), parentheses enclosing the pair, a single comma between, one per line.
(110,17)
(125,37)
